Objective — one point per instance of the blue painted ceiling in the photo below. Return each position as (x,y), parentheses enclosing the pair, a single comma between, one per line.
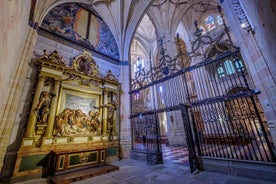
(63,21)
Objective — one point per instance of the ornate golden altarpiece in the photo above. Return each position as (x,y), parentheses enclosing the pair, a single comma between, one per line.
(73,111)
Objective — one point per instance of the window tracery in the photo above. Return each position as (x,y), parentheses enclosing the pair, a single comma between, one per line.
(229,67)
(210,23)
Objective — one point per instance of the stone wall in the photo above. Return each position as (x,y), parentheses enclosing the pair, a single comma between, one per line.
(16,42)
(257,47)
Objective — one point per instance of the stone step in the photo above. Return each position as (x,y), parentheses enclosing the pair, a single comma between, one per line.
(83,174)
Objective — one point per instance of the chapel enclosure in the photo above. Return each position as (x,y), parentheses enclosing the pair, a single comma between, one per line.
(222,116)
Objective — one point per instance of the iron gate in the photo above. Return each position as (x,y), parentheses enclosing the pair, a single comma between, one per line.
(221,112)
(146,138)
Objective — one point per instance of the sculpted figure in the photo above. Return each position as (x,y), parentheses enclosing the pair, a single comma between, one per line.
(54,57)
(110,76)
(64,123)
(75,122)
(110,114)
(43,106)
(94,120)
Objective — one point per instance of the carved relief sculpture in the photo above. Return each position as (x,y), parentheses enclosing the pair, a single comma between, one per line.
(81,112)
(72,122)
(70,106)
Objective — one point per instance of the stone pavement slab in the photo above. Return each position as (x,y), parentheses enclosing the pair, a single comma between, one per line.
(138,172)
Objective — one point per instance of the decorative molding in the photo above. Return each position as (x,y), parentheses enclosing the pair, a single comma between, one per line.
(32,24)
(83,66)
(84,63)
(44,33)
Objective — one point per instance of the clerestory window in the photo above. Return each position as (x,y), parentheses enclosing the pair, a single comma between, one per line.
(229,67)
(139,64)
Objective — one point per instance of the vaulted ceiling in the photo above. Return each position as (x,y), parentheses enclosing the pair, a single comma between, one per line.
(124,16)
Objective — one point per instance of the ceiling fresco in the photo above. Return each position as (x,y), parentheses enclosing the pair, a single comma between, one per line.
(80,24)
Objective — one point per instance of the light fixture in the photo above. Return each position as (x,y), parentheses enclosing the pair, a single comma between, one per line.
(243,25)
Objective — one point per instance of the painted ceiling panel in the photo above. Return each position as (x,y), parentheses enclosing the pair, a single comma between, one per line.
(81,24)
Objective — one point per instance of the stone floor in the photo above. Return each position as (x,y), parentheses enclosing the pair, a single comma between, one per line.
(175,155)
(138,172)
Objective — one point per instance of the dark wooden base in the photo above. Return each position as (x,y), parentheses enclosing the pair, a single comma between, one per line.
(83,174)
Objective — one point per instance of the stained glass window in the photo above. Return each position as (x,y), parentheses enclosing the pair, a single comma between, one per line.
(219,20)
(161,89)
(239,65)
(229,67)
(221,72)
(210,23)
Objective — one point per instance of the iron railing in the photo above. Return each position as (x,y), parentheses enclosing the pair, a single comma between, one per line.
(225,116)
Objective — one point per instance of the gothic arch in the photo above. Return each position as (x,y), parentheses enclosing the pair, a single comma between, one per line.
(122,34)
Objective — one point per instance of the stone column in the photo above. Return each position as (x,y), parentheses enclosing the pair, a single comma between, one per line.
(125,111)
(104,113)
(51,118)
(32,118)
(114,122)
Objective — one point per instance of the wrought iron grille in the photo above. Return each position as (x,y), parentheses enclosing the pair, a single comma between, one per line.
(228,119)
(225,116)
(146,138)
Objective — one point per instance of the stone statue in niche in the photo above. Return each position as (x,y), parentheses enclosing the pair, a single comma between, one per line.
(110,115)
(74,123)
(43,107)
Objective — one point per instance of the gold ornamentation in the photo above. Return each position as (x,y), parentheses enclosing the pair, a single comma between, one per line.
(74,123)
(110,76)
(83,157)
(54,57)
(84,63)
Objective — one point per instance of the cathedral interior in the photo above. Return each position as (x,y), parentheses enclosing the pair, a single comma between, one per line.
(86,83)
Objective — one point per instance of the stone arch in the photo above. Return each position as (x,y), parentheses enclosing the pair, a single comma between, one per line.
(146,39)
(132,27)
